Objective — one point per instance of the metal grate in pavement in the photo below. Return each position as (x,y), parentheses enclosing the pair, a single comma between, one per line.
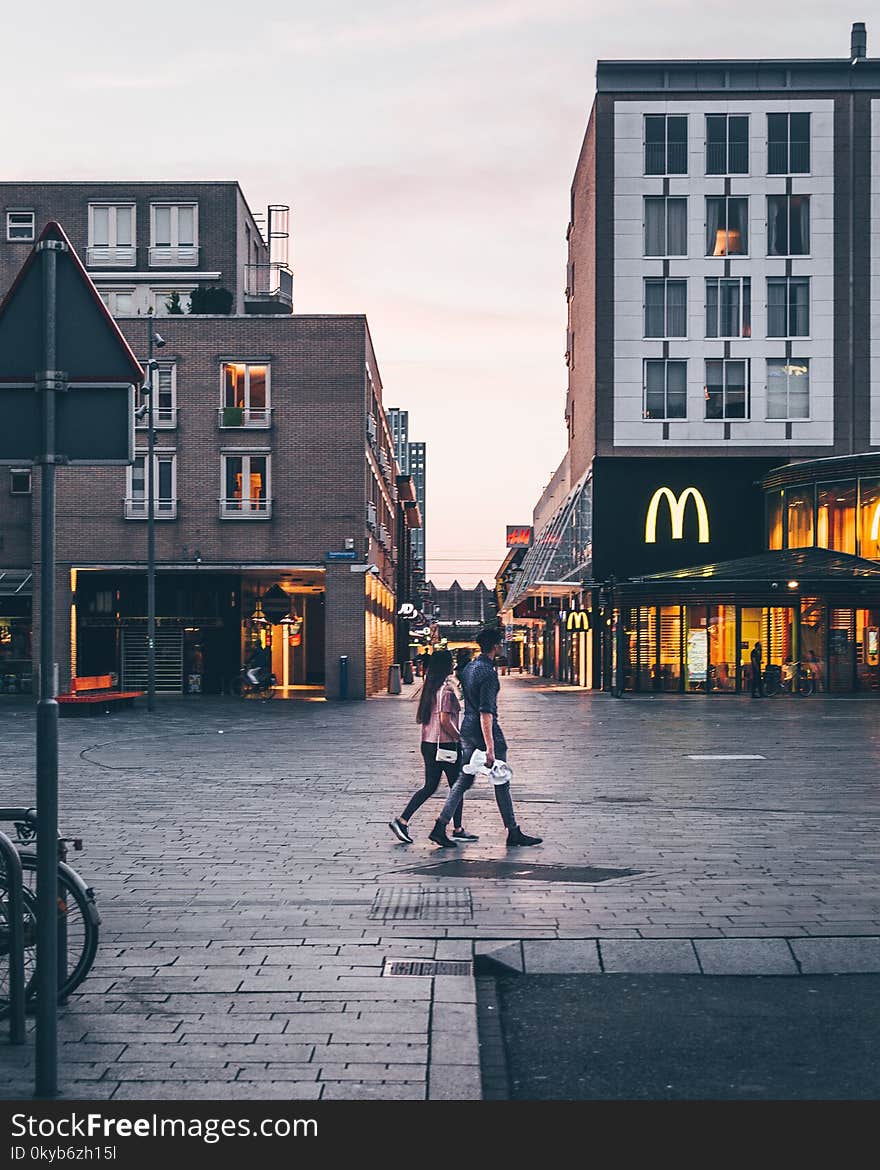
(427,967)
(422,903)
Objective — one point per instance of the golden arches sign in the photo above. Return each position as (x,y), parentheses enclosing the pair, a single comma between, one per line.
(578,619)
(677,505)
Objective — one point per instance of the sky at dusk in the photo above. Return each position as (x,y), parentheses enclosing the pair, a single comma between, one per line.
(426,150)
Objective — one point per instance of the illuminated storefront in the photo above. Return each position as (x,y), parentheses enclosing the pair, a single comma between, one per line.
(16,658)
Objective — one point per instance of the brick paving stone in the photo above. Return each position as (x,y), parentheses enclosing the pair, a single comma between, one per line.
(274,920)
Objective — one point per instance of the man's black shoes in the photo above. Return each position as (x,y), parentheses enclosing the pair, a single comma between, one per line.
(516,836)
(438,836)
(400,831)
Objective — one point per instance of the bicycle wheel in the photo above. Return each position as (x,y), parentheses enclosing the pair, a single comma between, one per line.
(30,947)
(78,922)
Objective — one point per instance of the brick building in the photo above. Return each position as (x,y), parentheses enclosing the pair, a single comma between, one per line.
(274,462)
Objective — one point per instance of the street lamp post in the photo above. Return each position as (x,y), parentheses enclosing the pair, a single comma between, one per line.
(154,339)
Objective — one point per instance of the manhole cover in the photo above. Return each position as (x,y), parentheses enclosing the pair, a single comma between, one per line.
(510,870)
(422,903)
(426,967)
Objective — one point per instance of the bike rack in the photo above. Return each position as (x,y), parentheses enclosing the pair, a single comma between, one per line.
(12,864)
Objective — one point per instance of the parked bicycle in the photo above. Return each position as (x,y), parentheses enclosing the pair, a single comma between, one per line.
(78,918)
(794,678)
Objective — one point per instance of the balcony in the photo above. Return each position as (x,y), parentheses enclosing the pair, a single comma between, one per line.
(268,288)
(174,255)
(238,509)
(164,419)
(253,418)
(135,508)
(123,256)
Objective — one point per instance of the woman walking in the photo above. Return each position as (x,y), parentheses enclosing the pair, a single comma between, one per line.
(438,713)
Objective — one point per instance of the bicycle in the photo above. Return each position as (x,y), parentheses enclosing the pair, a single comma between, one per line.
(799,679)
(78,917)
(263,689)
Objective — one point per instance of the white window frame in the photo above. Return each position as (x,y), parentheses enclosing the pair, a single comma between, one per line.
(227,512)
(747,390)
(136,509)
(665,281)
(666,417)
(788,416)
(162,419)
(13,471)
(112,254)
(14,213)
(742,281)
(262,419)
(788,333)
(665,253)
(109,295)
(174,254)
(159,297)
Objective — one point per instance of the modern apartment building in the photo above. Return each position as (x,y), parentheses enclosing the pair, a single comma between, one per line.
(274,474)
(398,420)
(723,319)
(416,458)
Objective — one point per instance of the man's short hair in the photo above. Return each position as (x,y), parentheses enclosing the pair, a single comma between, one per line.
(486,639)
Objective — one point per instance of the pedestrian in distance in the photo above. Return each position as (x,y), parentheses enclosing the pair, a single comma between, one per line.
(438,712)
(757,672)
(480,731)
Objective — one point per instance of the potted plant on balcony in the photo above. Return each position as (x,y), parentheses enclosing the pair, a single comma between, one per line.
(233,416)
(211,298)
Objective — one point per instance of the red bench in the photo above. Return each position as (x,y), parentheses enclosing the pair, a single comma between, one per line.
(93,694)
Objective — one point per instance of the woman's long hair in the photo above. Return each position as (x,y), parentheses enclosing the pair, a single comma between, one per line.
(439,670)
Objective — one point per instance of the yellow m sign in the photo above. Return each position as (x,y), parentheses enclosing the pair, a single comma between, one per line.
(677,506)
(578,619)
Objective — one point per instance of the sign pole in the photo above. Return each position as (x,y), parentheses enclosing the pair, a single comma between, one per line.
(150,387)
(49,382)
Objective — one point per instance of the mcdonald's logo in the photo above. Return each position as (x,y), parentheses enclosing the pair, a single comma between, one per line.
(578,619)
(677,506)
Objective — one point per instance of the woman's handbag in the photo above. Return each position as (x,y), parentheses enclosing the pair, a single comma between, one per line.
(446,755)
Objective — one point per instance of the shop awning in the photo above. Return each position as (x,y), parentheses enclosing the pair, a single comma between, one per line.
(16,583)
(560,558)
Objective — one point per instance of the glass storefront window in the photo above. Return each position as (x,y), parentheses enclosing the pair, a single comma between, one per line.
(643,653)
(15,655)
(799,504)
(696,649)
(814,633)
(722,647)
(841,650)
(668,666)
(775,501)
(869,519)
(836,517)
(868,649)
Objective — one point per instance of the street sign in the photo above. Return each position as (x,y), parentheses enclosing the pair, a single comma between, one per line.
(95,370)
(66,390)
(275,604)
(348,555)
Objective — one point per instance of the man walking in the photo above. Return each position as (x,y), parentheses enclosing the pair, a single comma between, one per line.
(757,672)
(480,731)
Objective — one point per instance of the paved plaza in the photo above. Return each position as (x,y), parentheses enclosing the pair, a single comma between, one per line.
(254,900)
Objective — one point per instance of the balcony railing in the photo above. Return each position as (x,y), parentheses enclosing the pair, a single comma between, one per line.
(123,256)
(258,418)
(135,508)
(785,158)
(269,281)
(174,256)
(164,419)
(250,509)
(723,158)
(666,159)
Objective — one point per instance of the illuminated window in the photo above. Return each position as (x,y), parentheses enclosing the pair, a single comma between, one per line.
(788,388)
(245,487)
(869,518)
(836,516)
(774,520)
(245,395)
(799,507)
(727,144)
(727,225)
